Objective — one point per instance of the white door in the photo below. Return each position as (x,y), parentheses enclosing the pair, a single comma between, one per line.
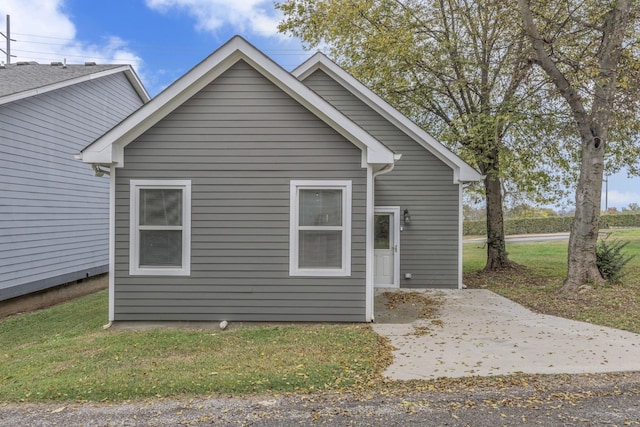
(385,247)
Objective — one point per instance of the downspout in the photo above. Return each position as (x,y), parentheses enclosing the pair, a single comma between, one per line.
(99,171)
(460,232)
(461,185)
(370,294)
(112,244)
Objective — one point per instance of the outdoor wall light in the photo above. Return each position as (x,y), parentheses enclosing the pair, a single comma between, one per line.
(407,217)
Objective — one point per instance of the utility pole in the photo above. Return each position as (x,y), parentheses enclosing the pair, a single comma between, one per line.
(606,194)
(9,40)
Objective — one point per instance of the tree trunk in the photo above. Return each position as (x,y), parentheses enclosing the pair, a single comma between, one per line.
(496,250)
(582,268)
(592,127)
(497,258)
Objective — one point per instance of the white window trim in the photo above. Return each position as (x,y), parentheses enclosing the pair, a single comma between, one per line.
(295,187)
(134,247)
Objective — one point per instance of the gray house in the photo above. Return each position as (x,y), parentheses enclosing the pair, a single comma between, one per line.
(244,192)
(54,214)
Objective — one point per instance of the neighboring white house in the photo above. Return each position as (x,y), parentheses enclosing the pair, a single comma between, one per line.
(53,211)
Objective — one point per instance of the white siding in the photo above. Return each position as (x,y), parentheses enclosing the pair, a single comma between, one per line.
(53,211)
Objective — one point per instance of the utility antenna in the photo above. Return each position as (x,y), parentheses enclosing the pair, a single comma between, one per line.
(9,40)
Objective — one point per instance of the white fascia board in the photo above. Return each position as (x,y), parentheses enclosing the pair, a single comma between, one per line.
(207,71)
(48,88)
(109,147)
(462,171)
(135,81)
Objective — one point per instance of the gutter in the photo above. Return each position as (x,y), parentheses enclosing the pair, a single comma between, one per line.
(389,167)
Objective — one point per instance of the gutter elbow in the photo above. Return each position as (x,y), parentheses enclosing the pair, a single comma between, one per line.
(99,171)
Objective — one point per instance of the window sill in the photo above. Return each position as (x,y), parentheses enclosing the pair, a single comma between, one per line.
(159,271)
(319,273)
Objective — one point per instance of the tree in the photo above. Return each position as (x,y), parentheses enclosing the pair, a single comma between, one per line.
(523,210)
(580,45)
(459,69)
(633,208)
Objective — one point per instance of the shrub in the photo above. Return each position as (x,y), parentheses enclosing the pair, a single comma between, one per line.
(620,220)
(611,260)
(549,224)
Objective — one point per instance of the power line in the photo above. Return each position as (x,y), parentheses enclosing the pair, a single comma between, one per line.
(45,43)
(140,50)
(77,56)
(161,47)
(43,37)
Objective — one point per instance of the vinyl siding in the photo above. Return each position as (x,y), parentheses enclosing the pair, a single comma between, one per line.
(419,182)
(53,211)
(240,141)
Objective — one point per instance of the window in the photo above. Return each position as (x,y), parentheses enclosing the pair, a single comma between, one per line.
(160,228)
(320,232)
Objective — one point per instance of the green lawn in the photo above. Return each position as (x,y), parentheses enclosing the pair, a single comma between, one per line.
(544,265)
(63,353)
(548,259)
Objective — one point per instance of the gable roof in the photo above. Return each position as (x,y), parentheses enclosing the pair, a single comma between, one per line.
(26,79)
(109,148)
(463,172)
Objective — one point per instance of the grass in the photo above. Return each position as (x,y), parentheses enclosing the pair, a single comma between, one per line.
(62,353)
(543,266)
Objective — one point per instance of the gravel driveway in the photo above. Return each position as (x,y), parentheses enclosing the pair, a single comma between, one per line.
(605,399)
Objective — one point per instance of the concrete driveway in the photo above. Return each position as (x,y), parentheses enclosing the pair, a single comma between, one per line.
(479,333)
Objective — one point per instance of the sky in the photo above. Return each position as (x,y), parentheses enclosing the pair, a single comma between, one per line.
(163,39)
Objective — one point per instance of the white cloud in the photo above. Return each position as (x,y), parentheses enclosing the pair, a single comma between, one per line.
(246,16)
(45,33)
(622,198)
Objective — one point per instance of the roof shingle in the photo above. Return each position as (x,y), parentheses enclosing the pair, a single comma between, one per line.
(16,78)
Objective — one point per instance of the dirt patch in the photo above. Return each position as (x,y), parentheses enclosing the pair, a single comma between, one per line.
(508,276)
(405,306)
(53,296)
